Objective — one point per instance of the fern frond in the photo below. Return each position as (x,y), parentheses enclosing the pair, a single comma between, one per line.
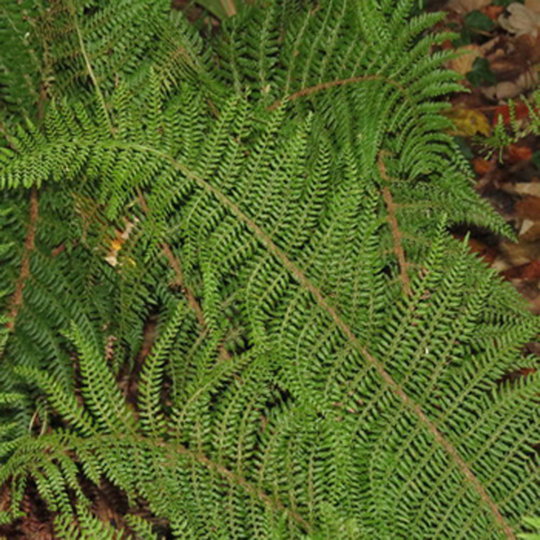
(329,363)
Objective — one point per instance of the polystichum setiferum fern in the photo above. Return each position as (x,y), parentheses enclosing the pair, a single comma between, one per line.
(328,362)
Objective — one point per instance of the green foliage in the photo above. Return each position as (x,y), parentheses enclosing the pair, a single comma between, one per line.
(22,70)
(478,22)
(241,304)
(506,133)
(533,523)
(506,3)
(481,73)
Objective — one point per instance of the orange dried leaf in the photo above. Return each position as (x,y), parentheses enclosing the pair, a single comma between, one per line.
(487,253)
(531,271)
(525,272)
(528,208)
(520,111)
(447,45)
(517,153)
(481,166)
(493,12)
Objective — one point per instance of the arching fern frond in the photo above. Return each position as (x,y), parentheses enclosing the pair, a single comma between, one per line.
(328,362)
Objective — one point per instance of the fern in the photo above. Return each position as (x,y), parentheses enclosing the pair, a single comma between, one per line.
(505,135)
(326,362)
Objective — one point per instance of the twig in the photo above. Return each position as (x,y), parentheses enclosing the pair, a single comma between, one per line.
(89,69)
(24,274)
(129,378)
(229,7)
(333,84)
(394,227)
(177,267)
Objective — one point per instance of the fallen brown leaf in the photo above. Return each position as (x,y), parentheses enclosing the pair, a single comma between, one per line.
(464,63)
(481,166)
(528,47)
(488,253)
(530,291)
(523,188)
(465,6)
(516,153)
(528,208)
(526,272)
(511,89)
(520,20)
(529,231)
(493,12)
(533,5)
(508,66)
(520,253)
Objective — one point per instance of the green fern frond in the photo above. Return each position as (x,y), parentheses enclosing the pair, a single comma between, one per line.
(235,291)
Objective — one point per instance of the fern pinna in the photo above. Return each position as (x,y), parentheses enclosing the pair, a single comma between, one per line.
(229,287)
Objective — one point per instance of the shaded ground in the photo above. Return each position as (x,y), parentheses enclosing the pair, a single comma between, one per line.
(501,69)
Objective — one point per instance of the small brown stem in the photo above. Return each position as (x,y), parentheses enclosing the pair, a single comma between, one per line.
(332,84)
(394,227)
(237,479)
(57,250)
(229,7)
(24,274)
(177,267)
(129,376)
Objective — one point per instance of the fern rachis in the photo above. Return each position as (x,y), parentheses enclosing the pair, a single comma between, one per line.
(327,361)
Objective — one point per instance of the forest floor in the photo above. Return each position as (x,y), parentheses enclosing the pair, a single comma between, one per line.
(501,70)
